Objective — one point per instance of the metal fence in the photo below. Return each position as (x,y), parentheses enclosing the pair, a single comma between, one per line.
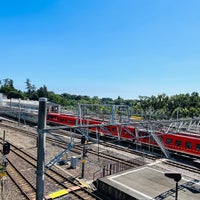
(113,168)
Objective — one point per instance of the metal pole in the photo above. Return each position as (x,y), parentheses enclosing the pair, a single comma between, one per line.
(97,136)
(83,162)
(83,169)
(112,115)
(2,188)
(41,148)
(177,114)
(4,136)
(176,198)
(3,164)
(19,114)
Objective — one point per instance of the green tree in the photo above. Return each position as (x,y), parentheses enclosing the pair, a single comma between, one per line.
(30,88)
(42,92)
(8,83)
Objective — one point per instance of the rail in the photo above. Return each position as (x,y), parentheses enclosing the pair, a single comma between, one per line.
(54,175)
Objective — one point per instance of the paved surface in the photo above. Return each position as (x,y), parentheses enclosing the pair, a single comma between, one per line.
(149,183)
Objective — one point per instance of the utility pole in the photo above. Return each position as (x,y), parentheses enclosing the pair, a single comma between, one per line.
(83,140)
(83,162)
(3,164)
(41,148)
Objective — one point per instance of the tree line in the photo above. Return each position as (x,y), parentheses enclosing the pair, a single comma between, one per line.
(154,107)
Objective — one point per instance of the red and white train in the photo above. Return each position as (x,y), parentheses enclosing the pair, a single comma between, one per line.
(184,143)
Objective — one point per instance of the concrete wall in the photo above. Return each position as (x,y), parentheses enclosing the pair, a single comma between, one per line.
(112,192)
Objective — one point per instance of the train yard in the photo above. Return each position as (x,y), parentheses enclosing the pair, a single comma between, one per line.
(22,166)
(76,173)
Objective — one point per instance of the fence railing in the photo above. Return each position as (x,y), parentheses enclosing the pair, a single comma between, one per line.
(113,168)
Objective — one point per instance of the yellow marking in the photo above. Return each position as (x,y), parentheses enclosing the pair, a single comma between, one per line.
(2,174)
(58,194)
(83,161)
(136,117)
(84,184)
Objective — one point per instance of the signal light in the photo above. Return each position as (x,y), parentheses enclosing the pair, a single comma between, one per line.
(6,148)
(83,139)
(85,152)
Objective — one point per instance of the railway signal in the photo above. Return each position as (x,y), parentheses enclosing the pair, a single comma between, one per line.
(83,139)
(3,164)
(6,148)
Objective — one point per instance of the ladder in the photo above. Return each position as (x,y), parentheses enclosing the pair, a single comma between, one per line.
(59,156)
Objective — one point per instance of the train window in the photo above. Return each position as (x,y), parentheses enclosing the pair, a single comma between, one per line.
(52,117)
(139,133)
(188,145)
(178,143)
(198,147)
(113,129)
(169,141)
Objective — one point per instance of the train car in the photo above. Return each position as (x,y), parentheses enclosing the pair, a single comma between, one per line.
(58,119)
(126,132)
(180,142)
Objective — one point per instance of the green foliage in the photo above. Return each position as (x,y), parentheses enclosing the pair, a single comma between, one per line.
(42,92)
(7,88)
(154,107)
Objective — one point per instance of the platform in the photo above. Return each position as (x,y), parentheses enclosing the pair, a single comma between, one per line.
(148,183)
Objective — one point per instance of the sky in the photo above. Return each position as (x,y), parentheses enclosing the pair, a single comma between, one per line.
(104,48)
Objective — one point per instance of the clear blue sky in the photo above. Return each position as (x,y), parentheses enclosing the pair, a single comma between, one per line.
(104,48)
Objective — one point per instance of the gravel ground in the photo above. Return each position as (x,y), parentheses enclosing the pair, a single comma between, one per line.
(92,165)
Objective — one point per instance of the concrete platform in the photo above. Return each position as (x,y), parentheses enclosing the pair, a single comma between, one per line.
(148,183)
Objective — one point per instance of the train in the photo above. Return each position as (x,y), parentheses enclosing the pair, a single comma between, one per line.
(183,143)
(126,133)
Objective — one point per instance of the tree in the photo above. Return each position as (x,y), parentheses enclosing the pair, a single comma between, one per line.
(15,94)
(7,88)
(42,92)
(30,88)
(8,83)
(119,101)
(107,100)
(195,99)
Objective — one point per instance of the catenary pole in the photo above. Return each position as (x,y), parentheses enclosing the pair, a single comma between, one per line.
(41,148)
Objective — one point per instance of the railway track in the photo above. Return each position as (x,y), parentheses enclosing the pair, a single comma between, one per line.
(27,186)
(70,182)
(130,150)
(27,189)
(77,149)
(182,166)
